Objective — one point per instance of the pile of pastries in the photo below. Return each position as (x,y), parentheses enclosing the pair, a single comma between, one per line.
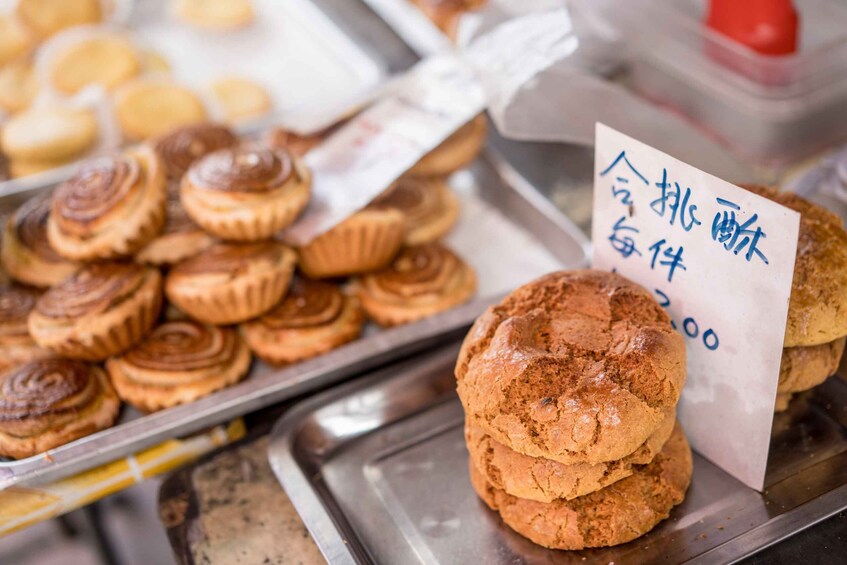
(150,276)
(142,97)
(817,311)
(570,387)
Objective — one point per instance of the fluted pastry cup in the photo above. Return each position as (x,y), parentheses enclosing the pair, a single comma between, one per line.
(422,281)
(26,252)
(50,402)
(313,318)
(16,345)
(111,208)
(428,205)
(246,193)
(98,311)
(231,283)
(180,361)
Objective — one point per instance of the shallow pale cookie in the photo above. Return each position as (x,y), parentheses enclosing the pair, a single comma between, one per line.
(15,39)
(18,86)
(614,515)
(219,15)
(241,99)
(46,17)
(107,60)
(577,366)
(544,480)
(147,108)
(49,134)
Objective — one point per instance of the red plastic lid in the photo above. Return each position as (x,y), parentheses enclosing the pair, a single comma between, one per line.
(768,27)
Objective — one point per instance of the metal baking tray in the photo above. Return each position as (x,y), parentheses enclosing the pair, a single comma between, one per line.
(493,181)
(378,470)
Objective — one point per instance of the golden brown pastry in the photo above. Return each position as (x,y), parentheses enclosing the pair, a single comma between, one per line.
(51,402)
(180,148)
(105,60)
(215,15)
(446,13)
(179,240)
(576,366)
(803,368)
(111,208)
(241,99)
(428,205)
(294,143)
(179,362)
(456,152)
(817,312)
(46,17)
(99,311)
(16,345)
(228,283)
(313,318)
(18,86)
(148,107)
(15,39)
(246,193)
(366,241)
(26,253)
(535,478)
(614,515)
(423,280)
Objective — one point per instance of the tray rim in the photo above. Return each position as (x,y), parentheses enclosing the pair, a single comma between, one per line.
(311,502)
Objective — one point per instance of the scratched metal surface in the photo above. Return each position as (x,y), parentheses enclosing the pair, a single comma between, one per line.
(378,471)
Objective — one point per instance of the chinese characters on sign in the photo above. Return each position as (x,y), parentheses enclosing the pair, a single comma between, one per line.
(719,260)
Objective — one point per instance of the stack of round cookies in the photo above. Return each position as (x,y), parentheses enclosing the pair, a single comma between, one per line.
(817,312)
(570,387)
(149,277)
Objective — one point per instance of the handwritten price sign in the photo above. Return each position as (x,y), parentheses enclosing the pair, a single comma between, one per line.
(720,260)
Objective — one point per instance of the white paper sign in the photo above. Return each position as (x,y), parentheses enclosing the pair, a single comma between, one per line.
(720,260)
(371,151)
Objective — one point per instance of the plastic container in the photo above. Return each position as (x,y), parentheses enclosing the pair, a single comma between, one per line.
(773,110)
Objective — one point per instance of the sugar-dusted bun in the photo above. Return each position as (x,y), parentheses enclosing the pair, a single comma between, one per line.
(26,253)
(16,345)
(50,402)
(544,480)
(313,318)
(428,205)
(231,283)
(179,362)
(817,311)
(423,280)
(246,193)
(576,366)
(99,311)
(456,152)
(803,368)
(611,516)
(111,208)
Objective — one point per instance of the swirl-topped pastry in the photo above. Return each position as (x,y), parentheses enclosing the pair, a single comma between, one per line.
(179,362)
(26,252)
(313,318)
(428,205)
(231,283)
(246,193)
(180,148)
(16,345)
(98,311)
(50,402)
(456,152)
(111,208)
(423,280)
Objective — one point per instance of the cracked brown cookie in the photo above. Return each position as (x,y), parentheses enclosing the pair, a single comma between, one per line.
(535,478)
(614,515)
(803,368)
(577,367)
(817,311)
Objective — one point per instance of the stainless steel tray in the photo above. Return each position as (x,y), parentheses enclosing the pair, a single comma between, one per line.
(377,469)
